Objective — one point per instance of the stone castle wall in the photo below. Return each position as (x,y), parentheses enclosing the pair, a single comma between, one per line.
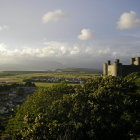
(118,69)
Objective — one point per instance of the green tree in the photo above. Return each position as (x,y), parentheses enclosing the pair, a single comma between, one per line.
(29,84)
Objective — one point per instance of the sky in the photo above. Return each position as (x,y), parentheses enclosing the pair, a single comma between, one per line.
(73,33)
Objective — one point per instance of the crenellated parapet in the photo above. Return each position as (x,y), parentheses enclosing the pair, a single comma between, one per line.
(118,69)
(135,61)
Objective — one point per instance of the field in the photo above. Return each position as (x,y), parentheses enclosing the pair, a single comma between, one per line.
(20,76)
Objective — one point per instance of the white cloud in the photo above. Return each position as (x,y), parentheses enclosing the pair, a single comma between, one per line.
(53,50)
(75,50)
(128,21)
(53,16)
(4,27)
(85,34)
(65,52)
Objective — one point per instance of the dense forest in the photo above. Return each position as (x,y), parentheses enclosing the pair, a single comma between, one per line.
(103,108)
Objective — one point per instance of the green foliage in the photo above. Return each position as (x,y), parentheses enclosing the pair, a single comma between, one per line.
(104,108)
(29,84)
(133,76)
(37,103)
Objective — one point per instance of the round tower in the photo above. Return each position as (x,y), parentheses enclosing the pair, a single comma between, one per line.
(115,70)
(137,60)
(105,69)
(132,61)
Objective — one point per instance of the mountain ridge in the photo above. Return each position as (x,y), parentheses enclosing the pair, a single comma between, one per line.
(73,69)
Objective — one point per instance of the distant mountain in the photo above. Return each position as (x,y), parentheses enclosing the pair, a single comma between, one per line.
(36,66)
(84,70)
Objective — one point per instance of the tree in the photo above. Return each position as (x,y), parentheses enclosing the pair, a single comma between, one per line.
(29,84)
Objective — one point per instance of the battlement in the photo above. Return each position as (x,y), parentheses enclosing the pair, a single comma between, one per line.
(135,61)
(118,69)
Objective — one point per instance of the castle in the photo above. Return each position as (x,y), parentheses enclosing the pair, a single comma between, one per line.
(118,69)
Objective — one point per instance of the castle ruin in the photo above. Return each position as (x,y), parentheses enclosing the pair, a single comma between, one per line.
(118,69)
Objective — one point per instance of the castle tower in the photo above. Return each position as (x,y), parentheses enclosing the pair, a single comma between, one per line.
(117,61)
(137,61)
(132,61)
(115,65)
(105,67)
(118,69)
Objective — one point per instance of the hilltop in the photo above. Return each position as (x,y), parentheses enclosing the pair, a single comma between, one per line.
(103,108)
(81,70)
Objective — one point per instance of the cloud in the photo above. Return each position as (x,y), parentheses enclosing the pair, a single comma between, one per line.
(75,50)
(4,27)
(49,49)
(85,34)
(53,16)
(54,49)
(70,54)
(128,21)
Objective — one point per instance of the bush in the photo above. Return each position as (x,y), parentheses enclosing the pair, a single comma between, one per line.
(104,108)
